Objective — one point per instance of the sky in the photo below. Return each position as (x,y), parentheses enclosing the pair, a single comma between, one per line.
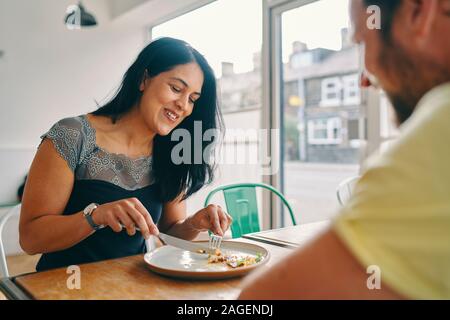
(231,30)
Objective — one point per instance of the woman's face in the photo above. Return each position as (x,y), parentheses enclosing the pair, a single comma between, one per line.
(168,98)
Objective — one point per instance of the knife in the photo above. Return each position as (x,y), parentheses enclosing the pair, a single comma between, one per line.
(199,248)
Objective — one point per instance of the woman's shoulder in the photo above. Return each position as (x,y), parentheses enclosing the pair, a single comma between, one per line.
(76,127)
(72,138)
(77,123)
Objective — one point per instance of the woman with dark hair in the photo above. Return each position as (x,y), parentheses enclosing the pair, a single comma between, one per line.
(114,168)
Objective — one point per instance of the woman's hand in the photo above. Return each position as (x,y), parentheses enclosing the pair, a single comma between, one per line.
(213,218)
(128,212)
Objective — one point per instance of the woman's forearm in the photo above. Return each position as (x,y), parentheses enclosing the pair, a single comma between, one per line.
(184,230)
(54,233)
(211,218)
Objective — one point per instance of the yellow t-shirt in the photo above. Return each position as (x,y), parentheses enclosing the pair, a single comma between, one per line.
(399,215)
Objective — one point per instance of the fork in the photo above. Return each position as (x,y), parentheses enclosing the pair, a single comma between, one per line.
(215,242)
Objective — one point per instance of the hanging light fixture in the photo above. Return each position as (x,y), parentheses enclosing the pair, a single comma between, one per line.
(77,17)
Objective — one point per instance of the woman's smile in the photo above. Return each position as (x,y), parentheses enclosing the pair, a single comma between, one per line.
(171,115)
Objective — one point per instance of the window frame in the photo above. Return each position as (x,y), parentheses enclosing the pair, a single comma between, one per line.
(330,125)
(347,99)
(325,91)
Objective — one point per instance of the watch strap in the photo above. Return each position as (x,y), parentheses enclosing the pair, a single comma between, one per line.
(87,212)
(92,223)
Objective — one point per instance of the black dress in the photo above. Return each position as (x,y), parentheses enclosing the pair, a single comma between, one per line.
(100,177)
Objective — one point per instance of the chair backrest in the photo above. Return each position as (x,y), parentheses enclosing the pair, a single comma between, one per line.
(242,205)
(14,209)
(345,189)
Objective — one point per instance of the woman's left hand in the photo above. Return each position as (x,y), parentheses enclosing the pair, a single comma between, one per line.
(213,218)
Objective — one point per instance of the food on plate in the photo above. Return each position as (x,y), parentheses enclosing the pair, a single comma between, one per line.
(234,260)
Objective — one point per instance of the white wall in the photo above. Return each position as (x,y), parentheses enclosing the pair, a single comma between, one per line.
(49,72)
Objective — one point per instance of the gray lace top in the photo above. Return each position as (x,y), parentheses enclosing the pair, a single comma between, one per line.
(74,139)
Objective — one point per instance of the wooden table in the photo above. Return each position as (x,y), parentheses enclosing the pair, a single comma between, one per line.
(125,278)
(290,237)
(130,277)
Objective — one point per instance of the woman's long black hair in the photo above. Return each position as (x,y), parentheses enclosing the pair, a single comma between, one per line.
(160,56)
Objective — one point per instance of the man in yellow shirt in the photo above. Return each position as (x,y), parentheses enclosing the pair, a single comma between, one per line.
(397,224)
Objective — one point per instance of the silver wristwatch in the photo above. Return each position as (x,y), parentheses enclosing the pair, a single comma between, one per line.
(87,213)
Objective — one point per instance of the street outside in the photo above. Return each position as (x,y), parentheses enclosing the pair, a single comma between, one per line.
(311,189)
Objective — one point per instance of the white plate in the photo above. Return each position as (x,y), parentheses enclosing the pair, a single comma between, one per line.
(175,262)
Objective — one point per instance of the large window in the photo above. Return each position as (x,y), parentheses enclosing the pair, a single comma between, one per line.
(229,34)
(330,115)
(329,126)
(302,80)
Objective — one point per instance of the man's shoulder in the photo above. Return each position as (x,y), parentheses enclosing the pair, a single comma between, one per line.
(432,111)
(429,126)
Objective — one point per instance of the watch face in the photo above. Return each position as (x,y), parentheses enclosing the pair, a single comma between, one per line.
(90,208)
(88,215)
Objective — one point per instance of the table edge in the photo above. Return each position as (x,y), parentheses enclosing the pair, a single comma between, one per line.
(277,243)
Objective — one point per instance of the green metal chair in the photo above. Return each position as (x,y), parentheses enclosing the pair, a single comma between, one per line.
(241,204)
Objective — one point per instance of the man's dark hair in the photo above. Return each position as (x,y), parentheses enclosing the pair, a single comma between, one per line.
(388,10)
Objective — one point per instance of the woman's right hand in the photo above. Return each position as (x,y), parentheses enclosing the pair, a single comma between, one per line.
(130,213)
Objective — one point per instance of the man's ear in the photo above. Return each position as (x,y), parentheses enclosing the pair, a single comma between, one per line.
(144,80)
(421,18)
